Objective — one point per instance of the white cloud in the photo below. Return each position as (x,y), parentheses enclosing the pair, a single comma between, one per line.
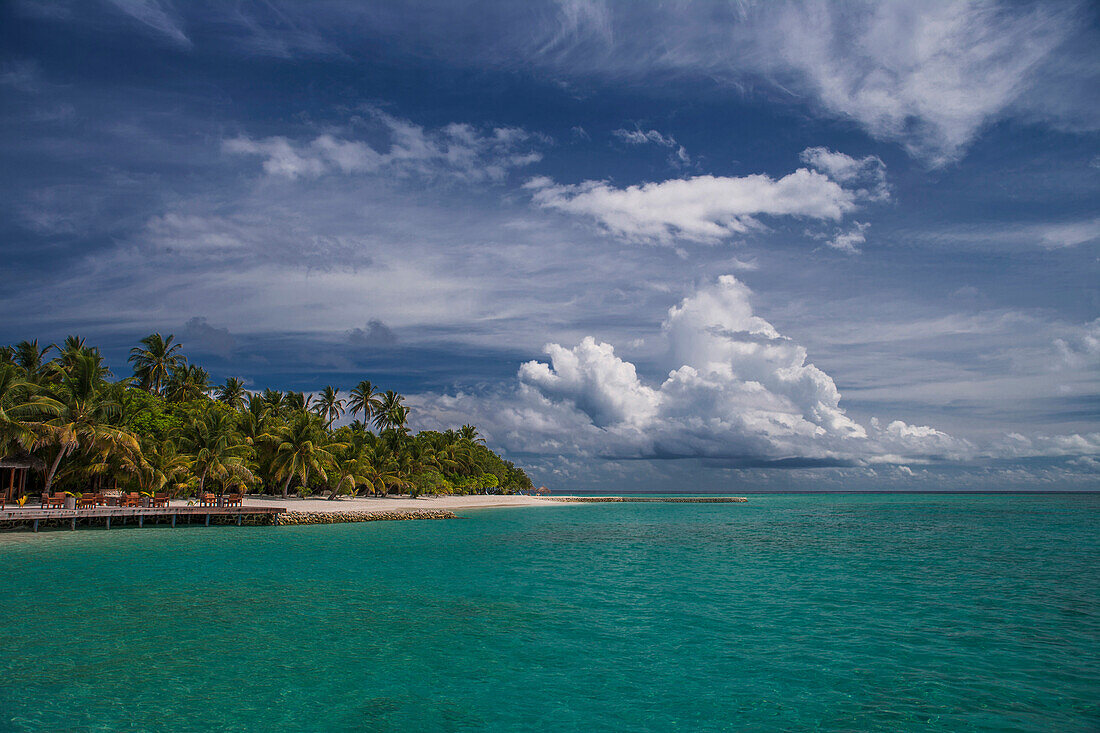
(593,379)
(737,393)
(1015,445)
(928,75)
(155,15)
(455,150)
(702,208)
(1069,234)
(850,240)
(678,157)
(1080,350)
(280,156)
(868,172)
(737,390)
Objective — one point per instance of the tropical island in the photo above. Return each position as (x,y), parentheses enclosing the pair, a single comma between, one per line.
(167,431)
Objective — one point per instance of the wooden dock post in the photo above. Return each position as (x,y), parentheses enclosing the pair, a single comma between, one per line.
(141,520)
(108,522)
(74,523)
(36,525)
(238,520)
(207,520)
(173,521)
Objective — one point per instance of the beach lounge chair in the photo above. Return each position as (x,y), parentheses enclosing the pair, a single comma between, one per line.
(160,500)
(208,500)
(131,499)
(86,501)
(57,501)
(234,500)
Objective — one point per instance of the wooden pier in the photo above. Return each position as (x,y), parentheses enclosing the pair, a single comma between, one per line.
(14,518)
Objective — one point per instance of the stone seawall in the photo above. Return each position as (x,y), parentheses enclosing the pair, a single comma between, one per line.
(657,499)
(383,516)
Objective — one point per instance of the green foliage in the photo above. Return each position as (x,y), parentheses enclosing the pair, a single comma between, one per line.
(147,414)
(165,430)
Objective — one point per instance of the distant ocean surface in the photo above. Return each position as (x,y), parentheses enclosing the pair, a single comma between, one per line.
(790,612)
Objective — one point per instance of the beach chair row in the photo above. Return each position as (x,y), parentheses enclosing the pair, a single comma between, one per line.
(90,500)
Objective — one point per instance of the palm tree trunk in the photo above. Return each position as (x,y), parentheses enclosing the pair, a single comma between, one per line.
(53,469)
(286,484)
(202,479)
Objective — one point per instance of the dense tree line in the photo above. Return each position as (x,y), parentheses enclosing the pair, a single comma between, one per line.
(167,429)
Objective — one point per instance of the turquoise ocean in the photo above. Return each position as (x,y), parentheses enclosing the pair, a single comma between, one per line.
(789,612)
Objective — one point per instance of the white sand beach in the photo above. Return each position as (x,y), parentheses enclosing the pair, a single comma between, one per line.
(396,503)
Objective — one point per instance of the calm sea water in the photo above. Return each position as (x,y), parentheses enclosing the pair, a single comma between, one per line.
(836,612)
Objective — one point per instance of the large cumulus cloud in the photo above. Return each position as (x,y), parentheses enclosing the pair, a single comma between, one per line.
(735,390)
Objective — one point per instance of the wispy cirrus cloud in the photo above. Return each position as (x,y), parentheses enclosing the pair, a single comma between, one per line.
(678,156)
(926,75)
(455,150)
(156,16)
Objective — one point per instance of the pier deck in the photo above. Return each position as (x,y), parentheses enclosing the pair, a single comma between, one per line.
(33,518)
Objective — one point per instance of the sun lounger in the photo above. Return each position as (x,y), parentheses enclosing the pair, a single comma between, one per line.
(208,500)
(234,500)
(86,501)
(160,500)
(133,499)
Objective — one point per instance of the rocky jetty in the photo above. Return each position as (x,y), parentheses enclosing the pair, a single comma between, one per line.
(351,516)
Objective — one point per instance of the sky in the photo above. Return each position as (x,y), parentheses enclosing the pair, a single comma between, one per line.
(701,246)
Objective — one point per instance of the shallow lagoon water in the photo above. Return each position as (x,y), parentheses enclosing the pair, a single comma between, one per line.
(822,612)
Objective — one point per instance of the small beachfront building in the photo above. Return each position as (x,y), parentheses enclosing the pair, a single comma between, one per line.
(13,479)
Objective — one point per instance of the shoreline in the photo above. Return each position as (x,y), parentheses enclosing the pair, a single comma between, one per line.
(390,504)
(370,509)
(302,511)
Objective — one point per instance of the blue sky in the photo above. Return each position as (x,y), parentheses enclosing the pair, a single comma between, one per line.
(669,245)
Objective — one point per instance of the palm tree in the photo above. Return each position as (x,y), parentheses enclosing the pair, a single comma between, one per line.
(82,418)
(297,401)
(187,382)
(302,450)
(329,405)
(346,472)
(391,413)
(20,408)
(469,432)
(154,363)
(274,399)
(32,360)
(71,351)
(378,469)
(365,399)
(161,465)
(232,393)
(217,449)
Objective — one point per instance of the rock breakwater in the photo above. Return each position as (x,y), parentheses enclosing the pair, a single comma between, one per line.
(377,516)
